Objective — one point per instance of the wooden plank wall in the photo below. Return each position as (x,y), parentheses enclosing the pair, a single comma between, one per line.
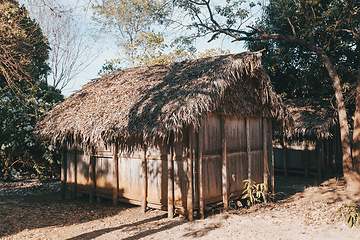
(319,158)
(204,167)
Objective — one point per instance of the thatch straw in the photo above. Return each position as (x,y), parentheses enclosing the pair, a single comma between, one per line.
(145,103)
(313,119)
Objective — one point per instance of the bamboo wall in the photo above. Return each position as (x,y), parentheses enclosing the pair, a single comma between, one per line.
(205,167)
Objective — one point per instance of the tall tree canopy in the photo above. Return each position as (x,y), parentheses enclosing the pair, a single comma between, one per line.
(23,48)
(24,93)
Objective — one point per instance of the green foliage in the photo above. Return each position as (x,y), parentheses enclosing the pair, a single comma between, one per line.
(296,71)
(23,49)
(350,214)
(132,25)
(255,193)
(24,94)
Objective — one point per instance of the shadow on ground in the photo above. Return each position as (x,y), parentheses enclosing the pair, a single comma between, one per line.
(39,210)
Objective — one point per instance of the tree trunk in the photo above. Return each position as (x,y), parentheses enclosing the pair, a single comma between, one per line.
(356,135)
(344,127)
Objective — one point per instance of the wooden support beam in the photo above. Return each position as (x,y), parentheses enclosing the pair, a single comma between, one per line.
(144,178)
(170,160)
(190,176)
(224,168)
(201,177)
(115,174)
(63,172)
(265,156)
(74,167)
(92,177)
(248,146)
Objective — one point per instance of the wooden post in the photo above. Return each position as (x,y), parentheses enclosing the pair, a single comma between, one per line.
(74,167)
(306,161)
(115,174)
(170,160)
(144,178)
(283,144)
(201,177)
(248,146)
(265,157)
(224,168)
(320,155)
(190,196)
(63,172)
(272,170)
(92,177)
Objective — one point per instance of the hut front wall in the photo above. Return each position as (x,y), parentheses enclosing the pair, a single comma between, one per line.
(244,154)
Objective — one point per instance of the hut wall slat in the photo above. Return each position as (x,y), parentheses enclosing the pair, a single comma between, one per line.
(238,171)
(115,174)
(190,176)
(144,178)
(82,169)
(130,178)
(63,172)
(248,146)
(212,140)
(201,170)
(74,167)
(170,196)
(212,177)
(224,167)
(235,134)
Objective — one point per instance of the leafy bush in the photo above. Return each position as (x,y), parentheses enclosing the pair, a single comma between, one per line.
(255,193)
(350,214)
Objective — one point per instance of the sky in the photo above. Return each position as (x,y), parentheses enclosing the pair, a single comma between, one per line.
(92,70)
(105,49)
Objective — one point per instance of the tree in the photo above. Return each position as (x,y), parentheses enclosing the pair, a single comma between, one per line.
(307,24)
(23,48)
(24,93)
(69,35)
(132,24)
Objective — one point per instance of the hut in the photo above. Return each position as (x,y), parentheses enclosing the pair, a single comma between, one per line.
(177,137)
(312,146)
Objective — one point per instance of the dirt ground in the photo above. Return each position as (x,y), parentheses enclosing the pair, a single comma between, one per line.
(304,209)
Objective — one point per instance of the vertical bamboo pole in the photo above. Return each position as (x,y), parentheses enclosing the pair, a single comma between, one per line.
(265,157)
(74,167)
(115,174)
(92,177)
(201,177)
(63,172)
(144,178)
(190,196)
(170,160)
(248,146)
(225,194)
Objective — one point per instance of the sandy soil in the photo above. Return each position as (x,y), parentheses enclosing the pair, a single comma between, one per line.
(303,210)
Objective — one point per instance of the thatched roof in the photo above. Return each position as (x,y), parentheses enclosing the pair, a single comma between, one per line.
(159,101)
(313,119)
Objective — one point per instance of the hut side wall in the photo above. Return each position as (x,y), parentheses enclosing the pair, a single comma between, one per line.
(130,185)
